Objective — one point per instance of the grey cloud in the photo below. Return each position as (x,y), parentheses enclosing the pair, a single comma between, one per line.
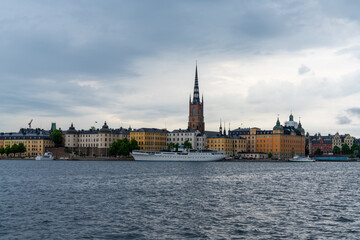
(46,44)
(303,69)
(342,120)
(354,111)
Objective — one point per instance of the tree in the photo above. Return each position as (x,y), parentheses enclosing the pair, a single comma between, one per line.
(270,155)
(2,150)
(345,149)
(56,136)
(22,148)
(336,150)
(171,145)
(134,145)
(113,149)
(123,147)
(187,144)
(307,150)
(318,152)
(14,149)
(7,150)
(355,148)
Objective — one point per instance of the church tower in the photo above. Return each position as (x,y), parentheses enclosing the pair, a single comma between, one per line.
(196,109)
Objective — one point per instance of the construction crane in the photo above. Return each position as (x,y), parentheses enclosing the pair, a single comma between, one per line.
(30,123)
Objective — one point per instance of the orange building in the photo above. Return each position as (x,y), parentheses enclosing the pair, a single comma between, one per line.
(282,142)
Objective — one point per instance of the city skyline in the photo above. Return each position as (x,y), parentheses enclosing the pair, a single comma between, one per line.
(132,63)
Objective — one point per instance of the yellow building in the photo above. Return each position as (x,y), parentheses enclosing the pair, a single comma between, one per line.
(150,139)
(229,145)
(282,142)
(34,140)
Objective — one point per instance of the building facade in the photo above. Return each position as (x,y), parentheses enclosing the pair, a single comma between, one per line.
(282,142)
(230,145)
(195,137)
(196,109)
(93,142)
(322,143)
(150,139)
(34,140)
(339,140)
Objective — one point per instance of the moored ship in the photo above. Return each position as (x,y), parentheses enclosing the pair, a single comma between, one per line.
(178,156)
(301,159)
(46,157)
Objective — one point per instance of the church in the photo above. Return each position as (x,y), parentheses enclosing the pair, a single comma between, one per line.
(196,108)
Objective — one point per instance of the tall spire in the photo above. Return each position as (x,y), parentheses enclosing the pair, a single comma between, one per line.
(220,128)
(196,97)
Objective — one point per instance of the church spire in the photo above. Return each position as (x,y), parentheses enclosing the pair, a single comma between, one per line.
(196,97)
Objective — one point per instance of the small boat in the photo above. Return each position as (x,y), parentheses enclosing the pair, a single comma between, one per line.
(301,159)
(46,156)
(178,156)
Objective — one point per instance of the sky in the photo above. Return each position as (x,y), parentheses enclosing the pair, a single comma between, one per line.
(132,63)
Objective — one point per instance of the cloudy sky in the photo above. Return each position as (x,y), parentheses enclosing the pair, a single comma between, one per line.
(133,63)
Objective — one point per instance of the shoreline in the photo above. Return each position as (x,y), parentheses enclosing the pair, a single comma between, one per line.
(130,159)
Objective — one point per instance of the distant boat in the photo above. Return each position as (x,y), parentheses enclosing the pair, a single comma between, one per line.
(179,156)
(46,156)
(297,158)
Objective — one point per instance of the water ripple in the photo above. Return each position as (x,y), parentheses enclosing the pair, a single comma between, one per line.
(131,200)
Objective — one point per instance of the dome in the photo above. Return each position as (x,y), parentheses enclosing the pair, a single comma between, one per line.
(105,128)
(72,129)
(300,128)
(278,125)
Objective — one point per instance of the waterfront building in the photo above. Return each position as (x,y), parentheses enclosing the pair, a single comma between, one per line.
(150,139)
(34,140)
(195,137)
(196,109)
(322,143)
(339,140)
(230,145)
(93,142)
(282,142)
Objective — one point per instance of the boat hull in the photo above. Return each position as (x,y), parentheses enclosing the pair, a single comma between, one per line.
(177,157)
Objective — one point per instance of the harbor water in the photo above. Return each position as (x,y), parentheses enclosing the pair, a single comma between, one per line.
(152,200)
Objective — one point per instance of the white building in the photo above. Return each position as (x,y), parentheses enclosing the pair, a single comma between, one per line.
(93,142)
(197,140)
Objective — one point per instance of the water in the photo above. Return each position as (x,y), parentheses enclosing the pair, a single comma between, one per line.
(139,200)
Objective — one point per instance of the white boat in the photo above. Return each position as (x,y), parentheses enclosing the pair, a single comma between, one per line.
(179,156)
(301,159)
(46,156)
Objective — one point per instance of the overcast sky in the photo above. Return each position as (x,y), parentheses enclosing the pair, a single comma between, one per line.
(133,63)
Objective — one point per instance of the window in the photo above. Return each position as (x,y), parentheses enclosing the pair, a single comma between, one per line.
(193,111)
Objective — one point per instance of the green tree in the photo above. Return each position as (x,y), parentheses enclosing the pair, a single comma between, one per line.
(355,148)
(22,148)
(336,150)
(270,155)
(187,144)
(318,152)
(123,147)
(171,146)
(2,150)
(14,149)
(7,150)
(56,136)
(345,149)
(134,145)
(114,148)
